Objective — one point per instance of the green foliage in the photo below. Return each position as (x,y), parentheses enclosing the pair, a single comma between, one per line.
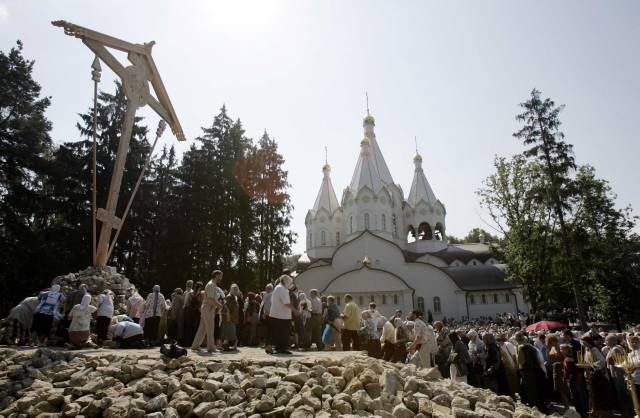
(564,240)
(225,205)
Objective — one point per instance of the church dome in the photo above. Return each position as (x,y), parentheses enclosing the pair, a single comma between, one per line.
(365,141)
(418,157)
(369,120)
(326,167)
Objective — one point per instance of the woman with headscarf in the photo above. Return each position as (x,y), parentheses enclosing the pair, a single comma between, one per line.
(175,318)
(104,314)
(252,318)
(603,397)
(373,342)
(20,319)
(555,368)
(135,305)
(508,355)
(234,290)
(48,307)
(154,308)
(80,327)
(494,377)
(459,359)
(192,303)
(478,354)
(402,337)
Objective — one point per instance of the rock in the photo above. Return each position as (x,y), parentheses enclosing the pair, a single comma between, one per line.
(183,407)
(265,404)
(429,374)
(411,385)
(275,413)
(373,389)
(343,407)
(390,381)
(157,404)
(368,376)
(401,411)
(459,402)
(71,409)
(150,387)
(382,413)
(303,411)
(299,378)
(361,400)
(200,410)
(309,399)
(465,413)
(136,413)
(442,399)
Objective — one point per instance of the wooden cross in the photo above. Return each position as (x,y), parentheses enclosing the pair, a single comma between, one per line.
(135,81)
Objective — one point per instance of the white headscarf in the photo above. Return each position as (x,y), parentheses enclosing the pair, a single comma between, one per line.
(86,300)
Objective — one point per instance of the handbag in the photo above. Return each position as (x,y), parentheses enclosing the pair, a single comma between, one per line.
(173,350)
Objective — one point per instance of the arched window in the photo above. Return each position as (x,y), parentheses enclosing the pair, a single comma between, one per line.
(436,304)
(366,221)
(484,299)
(323,238)
(421,304)
(394,221)
(384,222)
(472,299)
(507,297)
(439,232)
(360,300)
(372,298)
(384,299)
(424,231)
(351,224)
(338,300)
(395,299)
(338,238)
(495,298)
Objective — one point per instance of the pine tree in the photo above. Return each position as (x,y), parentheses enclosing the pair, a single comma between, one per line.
(541,132)
(25,146)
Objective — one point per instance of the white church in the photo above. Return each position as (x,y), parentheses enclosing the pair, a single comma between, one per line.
(381,247)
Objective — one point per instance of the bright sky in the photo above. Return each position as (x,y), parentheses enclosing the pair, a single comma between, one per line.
(452,75)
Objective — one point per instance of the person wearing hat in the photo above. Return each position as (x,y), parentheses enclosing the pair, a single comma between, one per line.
(104,302)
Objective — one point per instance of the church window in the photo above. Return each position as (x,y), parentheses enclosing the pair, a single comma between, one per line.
(424,231)
(366,221)
(436,304)
(351,224)
(338,300)
(507,297)
(384,297)
(360,300)
(323,238)
(394,221)
(484,299)
(338,238)
(384,222)
(495,298)
(421,304)
(472,299)
(372,298)
(395,299)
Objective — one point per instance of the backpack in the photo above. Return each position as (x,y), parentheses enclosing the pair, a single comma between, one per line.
(173,350)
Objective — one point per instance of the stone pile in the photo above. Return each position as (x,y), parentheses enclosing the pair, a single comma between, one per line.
(113,384)
(97,279)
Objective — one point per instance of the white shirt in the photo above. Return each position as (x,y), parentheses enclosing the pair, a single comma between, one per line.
(420,331)
(316,305)
(388,333)
(81,318)
(280,298)
(126,329)
(105,305)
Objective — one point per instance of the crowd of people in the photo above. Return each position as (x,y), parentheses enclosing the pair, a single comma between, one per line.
(493,353)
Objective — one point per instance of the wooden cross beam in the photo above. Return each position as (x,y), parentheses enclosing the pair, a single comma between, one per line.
(135,81)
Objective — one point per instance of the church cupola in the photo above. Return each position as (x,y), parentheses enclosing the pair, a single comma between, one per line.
(425,213)
(324,220)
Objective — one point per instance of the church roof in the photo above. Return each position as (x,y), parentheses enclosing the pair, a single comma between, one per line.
(326,198)
(420,188)
(480,277)
(464,253)
(371,169)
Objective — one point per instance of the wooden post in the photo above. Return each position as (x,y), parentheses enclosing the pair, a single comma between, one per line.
(95,76)
(116,182)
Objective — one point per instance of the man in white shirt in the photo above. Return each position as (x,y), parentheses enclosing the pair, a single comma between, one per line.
(207,314)
(388,340)
(425,341)
(128,334)
(316,319)
(280,315)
